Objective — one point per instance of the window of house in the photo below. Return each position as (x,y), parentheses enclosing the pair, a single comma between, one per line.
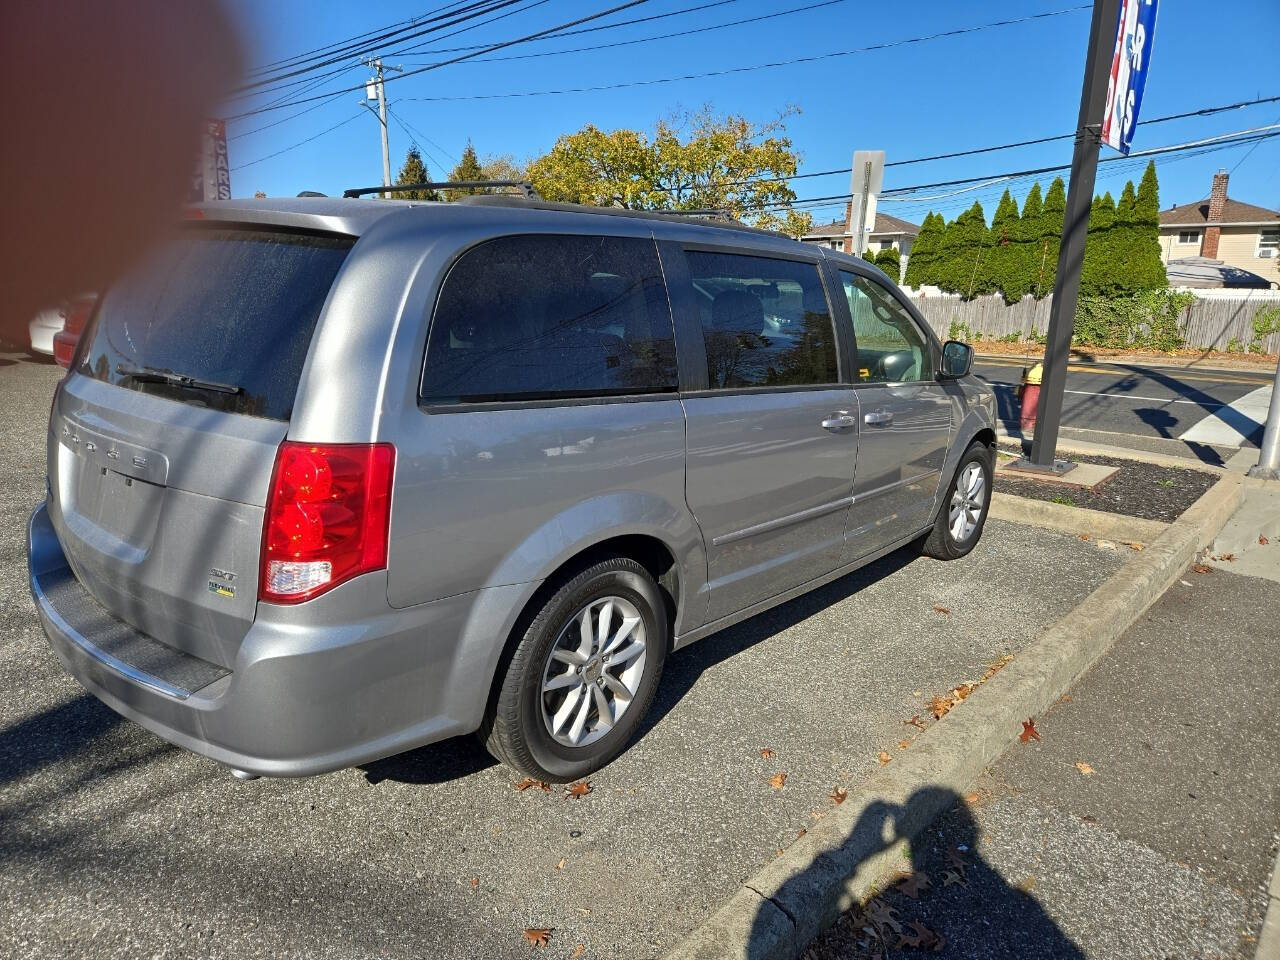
(886,244)
(1188,236)
(1268,241)
(890,348)
(551,317)
(765,322)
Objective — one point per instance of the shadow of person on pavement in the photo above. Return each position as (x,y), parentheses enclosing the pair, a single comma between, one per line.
(952,904)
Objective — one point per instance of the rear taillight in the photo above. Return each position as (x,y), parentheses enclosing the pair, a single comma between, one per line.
(75,315)
(327,515)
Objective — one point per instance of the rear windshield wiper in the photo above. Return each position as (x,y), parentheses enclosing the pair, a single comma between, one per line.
(150,375)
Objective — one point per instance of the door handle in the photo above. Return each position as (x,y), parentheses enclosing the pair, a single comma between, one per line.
(840,420)
(879,418)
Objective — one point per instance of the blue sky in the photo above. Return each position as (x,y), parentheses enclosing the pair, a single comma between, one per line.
(992,86)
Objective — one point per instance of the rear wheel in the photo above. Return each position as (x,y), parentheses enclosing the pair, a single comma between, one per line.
(583,674)
(964,508)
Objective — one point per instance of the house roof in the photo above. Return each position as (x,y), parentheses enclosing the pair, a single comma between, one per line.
(1233,211)
(885,226)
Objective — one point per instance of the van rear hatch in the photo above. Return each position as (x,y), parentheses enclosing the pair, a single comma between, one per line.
(162,439)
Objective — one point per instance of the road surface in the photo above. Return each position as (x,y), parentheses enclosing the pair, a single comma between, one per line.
(1200,407)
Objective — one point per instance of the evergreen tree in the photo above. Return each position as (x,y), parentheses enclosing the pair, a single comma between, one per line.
(468,168)
(414,171)
(944,267)
(972,243)
(890,261)
(1051,220)
(923,261)
(1099,276)
(1148,268)
(1001,267)
(1029,247)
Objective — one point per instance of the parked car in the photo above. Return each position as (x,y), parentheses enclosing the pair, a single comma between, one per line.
(332,479)
(42,328)
(75,315)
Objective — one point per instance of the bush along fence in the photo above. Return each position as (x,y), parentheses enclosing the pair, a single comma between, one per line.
(1152,320)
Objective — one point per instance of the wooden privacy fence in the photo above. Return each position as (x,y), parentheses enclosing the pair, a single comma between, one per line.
(1210,323)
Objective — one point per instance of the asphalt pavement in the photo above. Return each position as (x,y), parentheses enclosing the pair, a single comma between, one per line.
(1143,822)
(115,844)
(1190,408)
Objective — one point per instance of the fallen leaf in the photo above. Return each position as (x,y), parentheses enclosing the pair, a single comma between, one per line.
(973,798)
(777,780)
(1084,768)
(1029,731)
(904,744)
(528,782)
(955,859)
(1084,536)
(560,865)
(884,757)
(1065,698)
(577,790)
(916,722)
(766,753)
(475,882)
(914,884)
(962,692)
(538,936)
(801,834)
(940,706)
(952,877)
(1136,546)
(942,610)
(1229,557)
(1202,568)
(881,914)
(1263,541)
(1028,883)
(577,951)
(839,796)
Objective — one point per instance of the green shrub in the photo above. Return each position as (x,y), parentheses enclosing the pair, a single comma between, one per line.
(1146,320)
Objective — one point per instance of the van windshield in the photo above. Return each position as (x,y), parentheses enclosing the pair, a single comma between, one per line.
(221,318)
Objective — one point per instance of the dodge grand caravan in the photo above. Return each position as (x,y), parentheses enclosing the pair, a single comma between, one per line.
(332,479)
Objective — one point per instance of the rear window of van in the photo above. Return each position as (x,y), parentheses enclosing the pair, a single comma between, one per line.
(220,318)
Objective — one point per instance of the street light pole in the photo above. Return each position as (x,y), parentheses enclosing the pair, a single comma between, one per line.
(1084,168)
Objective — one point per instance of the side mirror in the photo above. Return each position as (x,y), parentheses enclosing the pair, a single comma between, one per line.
(957,360)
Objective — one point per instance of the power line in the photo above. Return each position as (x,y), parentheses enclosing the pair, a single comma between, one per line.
(662,36)
(1221,142)
(471,25)
(729,71)
(300,143)
(470,12)
(467,56)
(285,62)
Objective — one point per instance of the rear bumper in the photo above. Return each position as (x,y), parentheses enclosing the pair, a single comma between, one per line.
(309,692)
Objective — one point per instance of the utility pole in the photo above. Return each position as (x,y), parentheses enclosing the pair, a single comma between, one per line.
(379,91)
(1269,456)
(1084,168)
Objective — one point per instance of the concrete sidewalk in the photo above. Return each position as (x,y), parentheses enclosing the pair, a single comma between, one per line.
(1162,844)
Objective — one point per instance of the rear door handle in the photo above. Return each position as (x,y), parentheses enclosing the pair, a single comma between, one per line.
(879,417)
(840,420)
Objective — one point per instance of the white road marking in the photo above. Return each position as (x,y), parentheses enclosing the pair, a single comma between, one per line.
(1134,396)
(1232,425)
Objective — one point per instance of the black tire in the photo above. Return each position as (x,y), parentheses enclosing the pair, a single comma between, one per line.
(515,730)
(941,543)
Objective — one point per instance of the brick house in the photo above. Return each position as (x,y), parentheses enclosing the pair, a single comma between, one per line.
(1241,235)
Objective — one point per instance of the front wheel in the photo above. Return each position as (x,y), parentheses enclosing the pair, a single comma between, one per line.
(964,509)
(583,674)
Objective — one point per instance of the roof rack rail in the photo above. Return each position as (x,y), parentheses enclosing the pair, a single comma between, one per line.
(525,187)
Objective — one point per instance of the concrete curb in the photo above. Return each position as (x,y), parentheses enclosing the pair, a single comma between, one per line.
(842,861)
(1269,938)
(1058,516)
(1126,453)
(1137,360)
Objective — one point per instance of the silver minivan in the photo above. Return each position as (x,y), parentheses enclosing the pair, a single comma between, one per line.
(332,479)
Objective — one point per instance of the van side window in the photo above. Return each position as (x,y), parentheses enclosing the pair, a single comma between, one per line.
(890,348)
(765,322)
(551,317)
